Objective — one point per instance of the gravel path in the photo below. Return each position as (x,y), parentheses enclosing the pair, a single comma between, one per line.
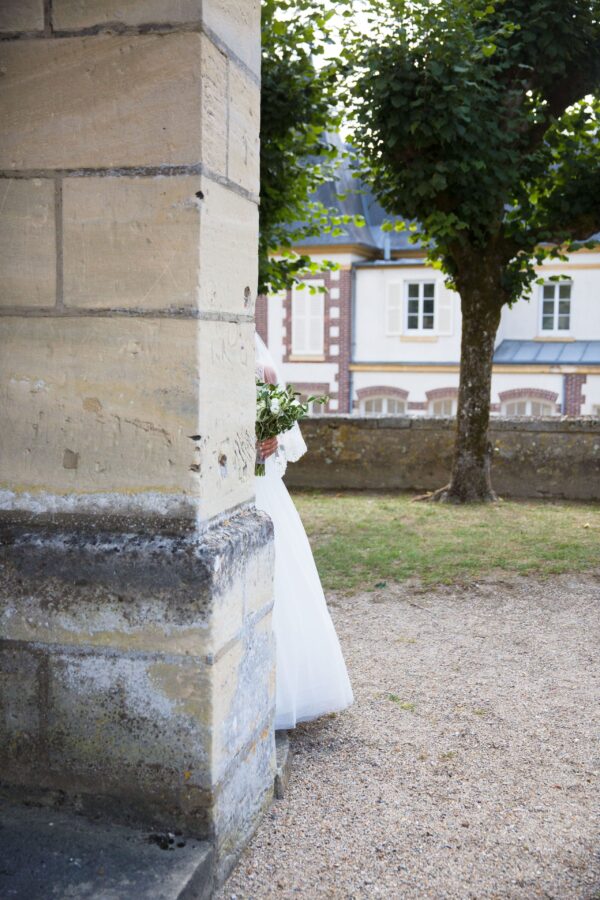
(469,765)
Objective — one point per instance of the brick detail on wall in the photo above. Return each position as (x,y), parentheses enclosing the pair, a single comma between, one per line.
(442,393)
(341,319)
(416,405)
(574,398)
(381,390)
(345,339)
(520,393)
(262,317)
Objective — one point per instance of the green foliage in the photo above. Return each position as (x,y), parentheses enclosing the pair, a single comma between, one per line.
(297,112)
(477,119)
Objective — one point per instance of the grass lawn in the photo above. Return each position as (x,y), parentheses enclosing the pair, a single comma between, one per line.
(360,540)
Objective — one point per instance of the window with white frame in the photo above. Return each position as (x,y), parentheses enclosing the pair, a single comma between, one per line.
(443,406)
(556,307)
(420,306)
(383,406)
(528,406)
(308,321)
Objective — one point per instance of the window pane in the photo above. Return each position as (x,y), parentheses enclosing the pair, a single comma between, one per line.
(536,408)
(413,290)
(548,308)
(428,290)
(564,291)
(547,323)
(428,306)
(413,322)
(413,307)
(428,322)
(563,323)
(564,307)
(548,291)
(395,407)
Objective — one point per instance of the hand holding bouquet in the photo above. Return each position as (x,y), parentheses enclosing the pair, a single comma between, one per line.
(277,410)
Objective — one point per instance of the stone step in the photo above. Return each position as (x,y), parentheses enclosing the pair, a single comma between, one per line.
(50,855)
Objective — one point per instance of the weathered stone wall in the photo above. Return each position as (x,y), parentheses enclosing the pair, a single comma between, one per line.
(556,458)
(135,590)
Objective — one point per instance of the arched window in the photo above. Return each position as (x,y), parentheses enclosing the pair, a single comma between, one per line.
(442,401)
(528,402)
(380,400)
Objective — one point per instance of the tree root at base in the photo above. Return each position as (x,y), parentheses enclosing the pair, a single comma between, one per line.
(444,495)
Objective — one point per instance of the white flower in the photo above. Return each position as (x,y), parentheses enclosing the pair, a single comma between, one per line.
(275,405)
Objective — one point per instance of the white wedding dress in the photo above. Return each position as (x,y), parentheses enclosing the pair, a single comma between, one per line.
(311,676)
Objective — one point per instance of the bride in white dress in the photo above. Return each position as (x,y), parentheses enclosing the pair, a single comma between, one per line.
(311,676)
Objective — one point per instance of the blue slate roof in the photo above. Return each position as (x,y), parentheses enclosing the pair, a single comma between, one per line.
(548,353)
(348,195)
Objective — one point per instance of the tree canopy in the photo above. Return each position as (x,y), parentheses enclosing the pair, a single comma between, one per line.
(477,118)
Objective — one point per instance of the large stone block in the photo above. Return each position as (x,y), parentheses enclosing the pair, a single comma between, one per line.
(244,115)
(105,101)
(238,26)
(73,14)
(165,596)
(131,242)
(145,421)
(234,23)
(214,108)
(21,15)
(229,240)
(152,243)
(27,242)
(98,405)
(226,449)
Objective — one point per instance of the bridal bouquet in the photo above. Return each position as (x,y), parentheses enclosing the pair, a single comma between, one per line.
(277,409)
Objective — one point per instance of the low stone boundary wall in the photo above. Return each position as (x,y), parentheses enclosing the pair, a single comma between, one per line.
(554,458)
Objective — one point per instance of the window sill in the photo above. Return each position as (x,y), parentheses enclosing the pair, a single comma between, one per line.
(293,359)
(555,337)
(419,338)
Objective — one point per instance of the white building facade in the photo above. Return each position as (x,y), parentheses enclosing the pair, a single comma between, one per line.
(381,334)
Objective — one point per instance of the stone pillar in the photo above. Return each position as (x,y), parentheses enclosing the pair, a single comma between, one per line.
(136,574)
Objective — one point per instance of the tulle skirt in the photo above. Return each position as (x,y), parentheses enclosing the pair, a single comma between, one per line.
(311,675)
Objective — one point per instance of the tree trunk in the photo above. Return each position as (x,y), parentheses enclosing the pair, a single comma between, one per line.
(481,303)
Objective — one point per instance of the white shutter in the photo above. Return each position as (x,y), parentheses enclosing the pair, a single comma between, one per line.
(393,309)
(308,321)
(444,301)
(299,322)
(316,325)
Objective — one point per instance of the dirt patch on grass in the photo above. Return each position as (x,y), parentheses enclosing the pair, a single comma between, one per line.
(468,766)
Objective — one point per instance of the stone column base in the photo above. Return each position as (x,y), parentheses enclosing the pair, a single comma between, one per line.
(137,675)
